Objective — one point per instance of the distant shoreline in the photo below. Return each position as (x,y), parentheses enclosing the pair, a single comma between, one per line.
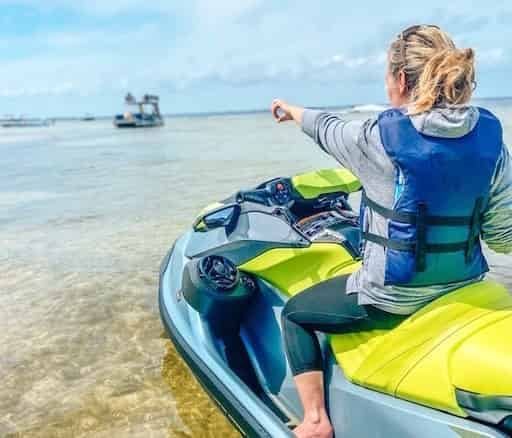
(263,110)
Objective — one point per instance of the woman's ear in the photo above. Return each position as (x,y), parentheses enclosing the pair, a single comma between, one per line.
(402,84)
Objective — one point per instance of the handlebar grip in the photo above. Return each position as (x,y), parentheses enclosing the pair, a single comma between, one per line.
(256,196)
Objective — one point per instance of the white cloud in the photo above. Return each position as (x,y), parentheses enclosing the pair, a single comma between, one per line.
(353,62)
(217,43)
(56,90)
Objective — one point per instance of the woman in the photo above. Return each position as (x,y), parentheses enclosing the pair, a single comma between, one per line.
(436,177)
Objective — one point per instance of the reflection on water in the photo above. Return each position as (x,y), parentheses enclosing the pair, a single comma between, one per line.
(86,215)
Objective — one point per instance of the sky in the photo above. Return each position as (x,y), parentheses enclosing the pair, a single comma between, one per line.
(71,57)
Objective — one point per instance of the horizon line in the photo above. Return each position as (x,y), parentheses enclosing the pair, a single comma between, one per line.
(248,111)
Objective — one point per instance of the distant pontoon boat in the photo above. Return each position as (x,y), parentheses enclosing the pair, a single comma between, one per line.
(140,119)
(23,122)
(88,118)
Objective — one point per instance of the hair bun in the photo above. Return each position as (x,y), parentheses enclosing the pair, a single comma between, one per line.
(469,54)
(455,55)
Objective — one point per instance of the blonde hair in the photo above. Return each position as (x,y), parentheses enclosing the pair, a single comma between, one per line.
(436,72)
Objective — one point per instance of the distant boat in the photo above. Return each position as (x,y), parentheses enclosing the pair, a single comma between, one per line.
(140,119)
(370,108)
(88,118)
(23,122)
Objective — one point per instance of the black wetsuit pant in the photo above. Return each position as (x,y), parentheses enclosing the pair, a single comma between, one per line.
(327,308)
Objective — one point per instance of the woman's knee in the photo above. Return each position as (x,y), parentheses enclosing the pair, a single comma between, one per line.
(289,309)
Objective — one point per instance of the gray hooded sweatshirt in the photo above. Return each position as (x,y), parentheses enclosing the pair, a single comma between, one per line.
(357,146)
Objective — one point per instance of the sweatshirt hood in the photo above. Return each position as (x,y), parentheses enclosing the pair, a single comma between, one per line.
(447,122)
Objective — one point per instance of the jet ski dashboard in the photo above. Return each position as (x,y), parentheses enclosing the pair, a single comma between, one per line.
(277,192)
(326,218)
(282,193)
(339,226)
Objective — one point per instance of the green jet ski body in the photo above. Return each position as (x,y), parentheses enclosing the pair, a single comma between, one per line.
(445,371)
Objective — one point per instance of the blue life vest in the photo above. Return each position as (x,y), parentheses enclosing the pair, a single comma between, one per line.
(434,227)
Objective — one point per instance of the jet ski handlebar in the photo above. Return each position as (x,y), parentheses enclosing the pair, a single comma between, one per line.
(258,196)
(274,192)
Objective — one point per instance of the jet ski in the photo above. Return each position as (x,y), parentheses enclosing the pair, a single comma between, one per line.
(445,371)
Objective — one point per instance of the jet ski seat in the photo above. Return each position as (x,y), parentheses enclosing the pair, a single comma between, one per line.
(461,341)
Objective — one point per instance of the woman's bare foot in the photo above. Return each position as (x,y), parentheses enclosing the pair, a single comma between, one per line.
(316,423)
(319,427)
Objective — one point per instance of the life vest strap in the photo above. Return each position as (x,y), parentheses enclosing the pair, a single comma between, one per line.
(399,245)
(421,220)
(421,237)
(412,218)
(475,228)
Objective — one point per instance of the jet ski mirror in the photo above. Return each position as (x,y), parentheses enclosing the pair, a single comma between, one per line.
(225,216)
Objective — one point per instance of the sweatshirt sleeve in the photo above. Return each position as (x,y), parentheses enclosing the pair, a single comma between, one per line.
(345,140)
(497,219)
